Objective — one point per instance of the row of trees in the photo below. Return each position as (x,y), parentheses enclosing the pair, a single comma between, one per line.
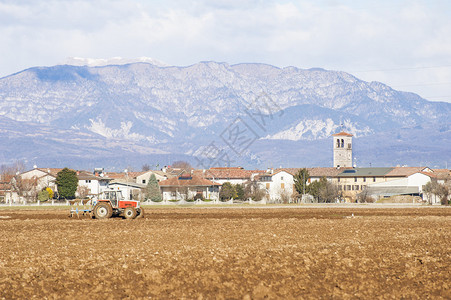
(250,190)
(322,190)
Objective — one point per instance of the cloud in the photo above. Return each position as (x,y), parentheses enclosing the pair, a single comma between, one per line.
(341,35)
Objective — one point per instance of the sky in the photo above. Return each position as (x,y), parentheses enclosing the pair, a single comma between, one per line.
(404,44)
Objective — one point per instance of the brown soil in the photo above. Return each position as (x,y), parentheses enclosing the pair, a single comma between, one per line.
(236,253)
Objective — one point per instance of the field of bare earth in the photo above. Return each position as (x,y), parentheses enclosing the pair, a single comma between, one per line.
(228,253)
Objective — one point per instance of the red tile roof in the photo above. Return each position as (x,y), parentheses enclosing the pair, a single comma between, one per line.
(52,171)
(227,173)
(187,181)
(342,134)
(317,172)
(404,171)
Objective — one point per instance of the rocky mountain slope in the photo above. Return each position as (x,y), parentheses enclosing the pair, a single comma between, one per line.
(255,114)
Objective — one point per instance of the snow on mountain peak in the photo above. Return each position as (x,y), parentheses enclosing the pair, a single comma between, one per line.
(312,129)
(100,62)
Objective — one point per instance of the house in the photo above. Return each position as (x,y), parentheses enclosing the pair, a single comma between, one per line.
(315,174)
(144,177)
(234,175)
(411,185)
(188,186)
(384,182)
(93,183)
(278,184)
(26,186)
(352,181)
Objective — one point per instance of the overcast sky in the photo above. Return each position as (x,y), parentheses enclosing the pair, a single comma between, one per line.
(405,44)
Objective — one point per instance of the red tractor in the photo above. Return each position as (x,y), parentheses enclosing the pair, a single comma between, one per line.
(112,203)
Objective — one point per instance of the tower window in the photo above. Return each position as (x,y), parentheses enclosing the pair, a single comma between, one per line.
(338,143)
(342,143)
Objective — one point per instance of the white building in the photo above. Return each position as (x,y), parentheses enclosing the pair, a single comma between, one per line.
(144,177)
(186,186)
(411,185)
(30,183)
(233,175)
(94,184)
(279,185)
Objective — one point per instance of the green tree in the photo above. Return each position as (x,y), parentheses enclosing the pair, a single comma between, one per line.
(43,195)
(153,189)
(67,183)
(314,189)
(323,190)
(227,191)
(239,191)
(300,181)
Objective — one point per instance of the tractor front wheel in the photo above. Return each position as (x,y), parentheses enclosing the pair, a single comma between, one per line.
(103,211)
(130,213)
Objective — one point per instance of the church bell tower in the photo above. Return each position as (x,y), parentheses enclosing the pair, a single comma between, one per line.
(342,150)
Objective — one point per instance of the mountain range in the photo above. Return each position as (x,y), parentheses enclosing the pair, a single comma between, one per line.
(117,114)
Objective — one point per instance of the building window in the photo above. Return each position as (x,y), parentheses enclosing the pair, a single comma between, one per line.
(349,187)
(342,143)
(144,181)
(356,187)
(338,179)
(338,143)
(355,179)
(364,179)
(281,178)
(88,181)
(340,187)
(374,179)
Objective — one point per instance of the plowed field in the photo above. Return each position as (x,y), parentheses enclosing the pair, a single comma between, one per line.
(229,253)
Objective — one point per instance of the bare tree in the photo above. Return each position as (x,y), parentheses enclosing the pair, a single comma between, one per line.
(435,189)
(284,196)
(82,191)
(253,191)
(364,197)
(25,188)
(180,164)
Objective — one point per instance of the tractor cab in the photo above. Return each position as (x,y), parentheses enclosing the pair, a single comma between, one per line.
(113,197)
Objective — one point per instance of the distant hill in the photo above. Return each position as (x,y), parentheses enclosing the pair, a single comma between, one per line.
(131,114)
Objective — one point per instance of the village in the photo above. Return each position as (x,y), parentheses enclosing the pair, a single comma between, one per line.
(182,184)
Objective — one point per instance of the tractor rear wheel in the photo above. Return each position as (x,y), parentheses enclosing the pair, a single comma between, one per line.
(141,213)
(103,210)
(130,213)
